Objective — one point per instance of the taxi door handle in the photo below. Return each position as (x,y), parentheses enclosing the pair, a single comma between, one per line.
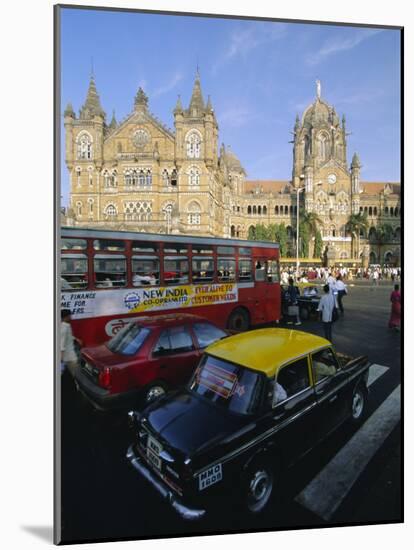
(332,399)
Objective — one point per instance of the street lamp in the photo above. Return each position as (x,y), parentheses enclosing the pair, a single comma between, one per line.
(298,190)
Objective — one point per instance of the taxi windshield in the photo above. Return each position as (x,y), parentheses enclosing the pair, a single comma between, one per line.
(229,386)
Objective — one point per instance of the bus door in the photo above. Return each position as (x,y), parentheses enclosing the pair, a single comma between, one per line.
(267,281)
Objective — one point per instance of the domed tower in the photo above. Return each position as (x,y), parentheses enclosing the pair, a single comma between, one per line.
(318,139)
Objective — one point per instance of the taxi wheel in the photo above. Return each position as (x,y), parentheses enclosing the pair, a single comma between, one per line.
(239,320)
(258,486)
(358,405)
(156,390)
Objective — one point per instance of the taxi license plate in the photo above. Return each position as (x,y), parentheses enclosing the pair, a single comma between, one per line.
(153,451)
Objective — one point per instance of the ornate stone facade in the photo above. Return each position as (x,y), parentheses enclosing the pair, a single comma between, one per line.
(141,176)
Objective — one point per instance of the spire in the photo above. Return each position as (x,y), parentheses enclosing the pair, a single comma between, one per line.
(356,163)
(209,106)
(197,102)
(69,111)
(178,106)
(113,124)
(141,100)
(92,106)
(297,123)
(318,89)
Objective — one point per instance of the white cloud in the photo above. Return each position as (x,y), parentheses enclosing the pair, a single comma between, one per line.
(246,38)
(168,86)
(235,117)
(340,44)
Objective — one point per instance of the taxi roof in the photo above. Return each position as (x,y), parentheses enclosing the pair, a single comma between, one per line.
(266,350)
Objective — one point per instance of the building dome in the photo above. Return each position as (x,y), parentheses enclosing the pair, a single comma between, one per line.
(231,160)
(319,113)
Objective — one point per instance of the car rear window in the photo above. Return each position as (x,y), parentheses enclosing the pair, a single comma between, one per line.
(207,333)
(128,340)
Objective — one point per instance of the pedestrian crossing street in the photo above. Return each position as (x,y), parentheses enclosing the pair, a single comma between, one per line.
(327,490)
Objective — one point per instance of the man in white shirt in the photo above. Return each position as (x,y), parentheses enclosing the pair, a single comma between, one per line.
(341,290)
(326,307)
(67,349)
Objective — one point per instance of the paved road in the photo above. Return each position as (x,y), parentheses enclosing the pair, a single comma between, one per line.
(352,478)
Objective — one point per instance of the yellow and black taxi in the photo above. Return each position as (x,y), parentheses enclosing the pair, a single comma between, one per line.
(255,404)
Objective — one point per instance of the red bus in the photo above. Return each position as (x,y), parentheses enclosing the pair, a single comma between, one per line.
(109,277)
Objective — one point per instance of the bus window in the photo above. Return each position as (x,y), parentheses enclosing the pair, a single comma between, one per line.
(245,251)
(202,249)
(74,271)
(226,269)
(175,270)
(272,271)
(73,244)
(203,269)
(175,248)
(245,270)
(260,270)
(145,270)
(144,247)
(108,244)
(228,250)
(110,271)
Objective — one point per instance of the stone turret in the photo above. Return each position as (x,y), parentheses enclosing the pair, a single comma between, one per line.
(92,106)
(196,107)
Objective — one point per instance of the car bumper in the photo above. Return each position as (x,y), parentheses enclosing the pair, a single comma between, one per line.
(101,398)
(184,511)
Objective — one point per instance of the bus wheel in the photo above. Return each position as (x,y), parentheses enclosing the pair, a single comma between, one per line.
(239,320)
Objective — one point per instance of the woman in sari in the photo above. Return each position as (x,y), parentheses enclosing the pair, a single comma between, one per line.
(395,317)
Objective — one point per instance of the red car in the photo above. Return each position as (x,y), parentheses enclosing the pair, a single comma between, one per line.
(144,360)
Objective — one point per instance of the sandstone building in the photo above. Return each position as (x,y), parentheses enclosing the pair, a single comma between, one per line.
(140,175)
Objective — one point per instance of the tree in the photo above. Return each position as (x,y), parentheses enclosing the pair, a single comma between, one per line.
(318,248)
(384,234)
(356,223)
(309,227)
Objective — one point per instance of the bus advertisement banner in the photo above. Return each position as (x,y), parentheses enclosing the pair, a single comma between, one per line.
(98,303)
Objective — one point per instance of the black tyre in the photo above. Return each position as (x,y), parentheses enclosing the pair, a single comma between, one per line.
(154,391)
(239,320)
(358,405)
(258,486)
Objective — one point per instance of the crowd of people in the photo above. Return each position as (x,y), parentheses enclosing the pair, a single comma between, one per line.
(335,289)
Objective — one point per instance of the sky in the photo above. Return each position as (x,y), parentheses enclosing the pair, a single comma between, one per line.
(259,75)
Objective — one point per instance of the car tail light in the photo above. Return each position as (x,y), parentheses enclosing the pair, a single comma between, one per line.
(105,378)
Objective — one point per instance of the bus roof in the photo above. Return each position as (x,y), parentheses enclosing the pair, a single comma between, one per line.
(84,233)
(266,350)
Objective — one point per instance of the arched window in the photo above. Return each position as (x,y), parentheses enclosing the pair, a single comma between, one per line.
(193,143)
(254,209)
(84,150)
(79,209)
(194,213)
(323,146)
(78,175)
(259,209)
(370,211)
(375,211)
(110,212)
(386,211)
(286,210)
(148,178)
(233,231)
(277,210)
(238,231)
(388,257)
(249,209)
(90,209)
(264,210)
(333,230)
(128,178)
(290,209)
(141,178)
(194,176)
(391,211)
(396,212)
(165,178)
(343,255)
